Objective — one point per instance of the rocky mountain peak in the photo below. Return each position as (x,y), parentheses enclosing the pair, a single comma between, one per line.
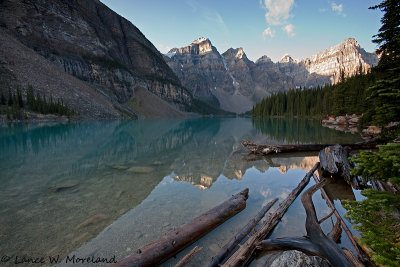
(264,59)
(236,54)
(240,53)
(199,46)
(200,40)
(286,59)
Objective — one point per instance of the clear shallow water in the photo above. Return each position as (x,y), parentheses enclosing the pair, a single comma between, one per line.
(107,188)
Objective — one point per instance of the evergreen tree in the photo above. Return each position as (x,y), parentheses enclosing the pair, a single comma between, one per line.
(19,98)
(388,37)
(10,98)
(3,99)
(385,94)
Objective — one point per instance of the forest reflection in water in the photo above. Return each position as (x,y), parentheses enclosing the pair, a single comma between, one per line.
(62,184)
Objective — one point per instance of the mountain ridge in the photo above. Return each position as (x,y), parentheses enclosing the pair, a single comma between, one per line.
(241,82)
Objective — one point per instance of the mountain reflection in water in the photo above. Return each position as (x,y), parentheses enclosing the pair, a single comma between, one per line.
(62,184)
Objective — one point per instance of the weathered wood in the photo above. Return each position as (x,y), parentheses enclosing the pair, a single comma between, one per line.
(335,163)
(230,246)
(169,245)
(302,244)
(185,260)
(361,253)
(316,242)
(350,255)
(336,233)
(269,149)
(245,253)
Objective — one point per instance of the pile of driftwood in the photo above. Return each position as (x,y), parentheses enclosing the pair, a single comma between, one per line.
(333,164)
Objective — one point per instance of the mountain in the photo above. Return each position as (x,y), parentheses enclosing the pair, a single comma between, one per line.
(229,81)
(327,66)
(233,82)
(101,65)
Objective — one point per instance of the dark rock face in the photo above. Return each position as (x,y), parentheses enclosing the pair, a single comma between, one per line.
(201,69)
(88,40)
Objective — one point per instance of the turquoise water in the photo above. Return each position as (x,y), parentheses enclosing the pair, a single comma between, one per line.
(106,188)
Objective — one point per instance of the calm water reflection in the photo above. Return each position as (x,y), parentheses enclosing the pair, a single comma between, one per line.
(118,185)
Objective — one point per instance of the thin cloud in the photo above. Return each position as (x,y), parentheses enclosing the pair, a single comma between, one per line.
(278,11)
(338,9)
(268,32)
(208,14)
(289,30)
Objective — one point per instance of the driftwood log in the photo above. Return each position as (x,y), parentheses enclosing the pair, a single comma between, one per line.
(269,149)
(316,242)
(335,163)
(230,246)
(364,257)
(185,260)
(169,245)
(245,253)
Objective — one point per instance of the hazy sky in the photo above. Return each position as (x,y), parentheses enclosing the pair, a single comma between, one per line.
(261,27)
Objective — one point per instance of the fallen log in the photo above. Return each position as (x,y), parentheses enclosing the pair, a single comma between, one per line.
(185,260)
(315,242)
(269,149)
(169,245)
(363,256)
(245,253)
(335,163)
(230,246)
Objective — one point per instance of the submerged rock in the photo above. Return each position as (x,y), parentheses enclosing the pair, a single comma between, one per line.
(62,187)
(293,258)
(140,169)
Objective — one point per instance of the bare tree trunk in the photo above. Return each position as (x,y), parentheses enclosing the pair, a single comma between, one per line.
(245,253)
(230,246)
(178,239)
(316,242)
(363,256)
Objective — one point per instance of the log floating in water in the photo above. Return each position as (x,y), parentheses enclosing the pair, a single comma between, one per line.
(245,253)
(268,149)
(316,242)
(230,246)
(169,245)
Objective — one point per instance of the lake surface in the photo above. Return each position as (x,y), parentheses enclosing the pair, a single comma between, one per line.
(106,188)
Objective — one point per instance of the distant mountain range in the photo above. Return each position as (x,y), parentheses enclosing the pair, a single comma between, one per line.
(102,66)
(237,83)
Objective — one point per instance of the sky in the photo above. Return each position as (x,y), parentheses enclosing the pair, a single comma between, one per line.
(261,27)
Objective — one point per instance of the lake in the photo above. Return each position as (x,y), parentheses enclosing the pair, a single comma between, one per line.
(106,188)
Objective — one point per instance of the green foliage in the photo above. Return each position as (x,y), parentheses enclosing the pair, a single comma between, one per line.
(384,97)
(383,164)
(346,97)
(377,216)
(389,33)
(42,105)
(377,220)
